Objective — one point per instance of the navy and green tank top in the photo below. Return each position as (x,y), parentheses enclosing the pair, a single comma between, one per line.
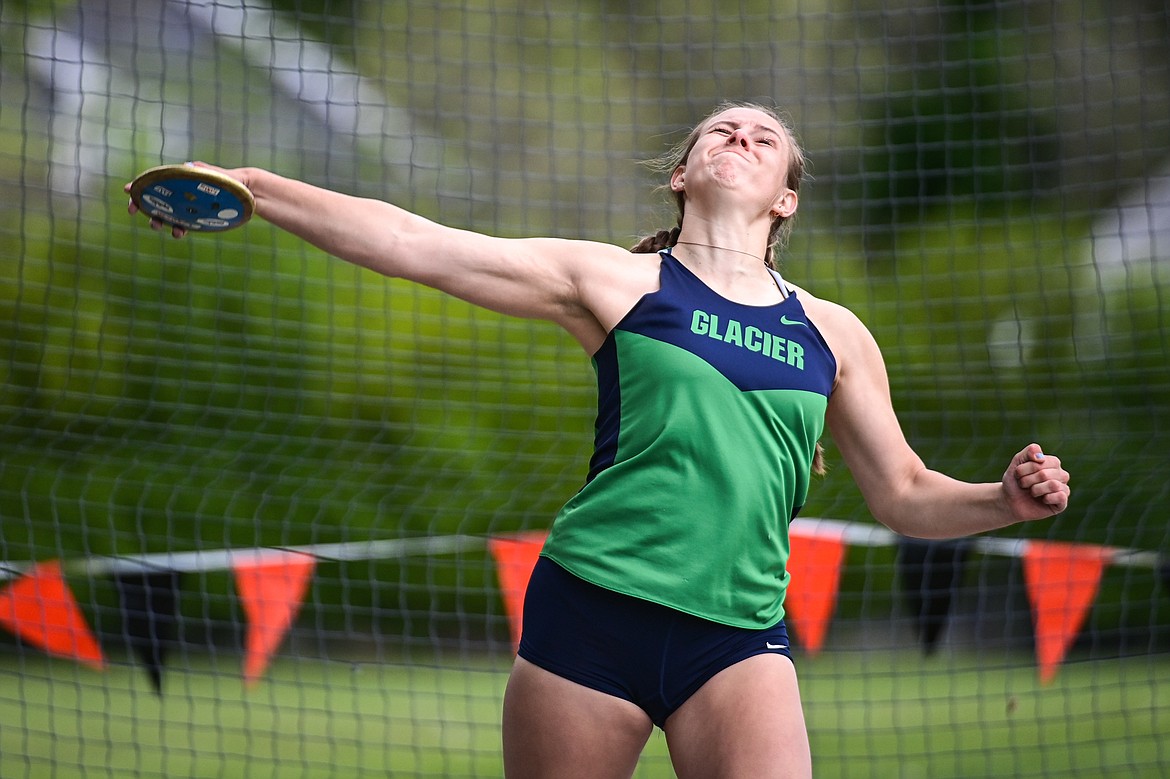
(708,416)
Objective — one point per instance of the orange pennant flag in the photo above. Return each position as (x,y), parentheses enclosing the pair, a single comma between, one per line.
(1062,581)
(515,558)
(814,562)
(271,591)
(40,608)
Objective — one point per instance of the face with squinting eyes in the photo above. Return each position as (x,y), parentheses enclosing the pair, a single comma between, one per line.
(744,150)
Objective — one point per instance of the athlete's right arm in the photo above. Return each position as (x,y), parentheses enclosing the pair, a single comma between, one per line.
(583,286)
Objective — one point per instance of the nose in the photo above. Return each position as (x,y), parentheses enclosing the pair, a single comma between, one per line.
(740,137)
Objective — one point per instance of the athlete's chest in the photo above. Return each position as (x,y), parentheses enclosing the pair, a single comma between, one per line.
(769,347)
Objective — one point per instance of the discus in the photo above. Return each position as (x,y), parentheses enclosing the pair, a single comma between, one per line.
(196,199)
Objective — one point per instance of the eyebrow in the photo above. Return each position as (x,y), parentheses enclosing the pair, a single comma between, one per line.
(753,125)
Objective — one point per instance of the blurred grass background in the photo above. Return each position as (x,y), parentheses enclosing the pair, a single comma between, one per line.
(872,714)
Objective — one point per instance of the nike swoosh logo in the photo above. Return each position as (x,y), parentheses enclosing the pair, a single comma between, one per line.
(768,645)
(784,320)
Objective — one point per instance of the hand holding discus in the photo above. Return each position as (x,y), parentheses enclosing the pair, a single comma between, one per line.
(190,198)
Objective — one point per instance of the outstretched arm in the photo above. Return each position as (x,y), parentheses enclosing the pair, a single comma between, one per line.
(900,490)
(578,284)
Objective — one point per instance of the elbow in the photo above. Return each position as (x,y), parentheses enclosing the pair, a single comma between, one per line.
(899,521)
(900,501)
(913,519)
(917,523)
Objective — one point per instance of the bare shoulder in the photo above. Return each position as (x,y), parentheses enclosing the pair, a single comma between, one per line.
(608,281)
(613,279)
(586,258)
(842,329)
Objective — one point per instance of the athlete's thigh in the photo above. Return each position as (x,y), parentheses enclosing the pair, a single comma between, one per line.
(745,721)
(557,728)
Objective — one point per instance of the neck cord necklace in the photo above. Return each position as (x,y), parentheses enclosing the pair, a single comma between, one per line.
(775,276)
(720,248)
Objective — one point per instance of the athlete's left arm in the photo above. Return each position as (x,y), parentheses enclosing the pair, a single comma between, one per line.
(900,490)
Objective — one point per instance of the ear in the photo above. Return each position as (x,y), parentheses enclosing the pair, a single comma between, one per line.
(785,205)
(676,179)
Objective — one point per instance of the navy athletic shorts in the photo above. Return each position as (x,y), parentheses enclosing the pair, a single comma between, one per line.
(651,655)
